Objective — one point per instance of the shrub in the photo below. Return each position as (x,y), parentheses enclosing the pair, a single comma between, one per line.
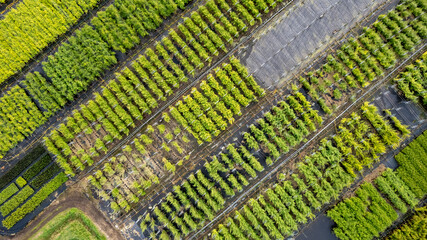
(16,200)
(35,201)
(21,165)
(21,182)
(45,176)
(37,167)
(7,192)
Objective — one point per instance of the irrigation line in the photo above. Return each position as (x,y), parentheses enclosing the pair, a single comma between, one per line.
(268,175)
(359,181)
(95,86)
(192,84)
(266,22)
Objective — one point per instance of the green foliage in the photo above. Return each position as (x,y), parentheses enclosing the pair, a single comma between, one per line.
(32,26)
(414,228)
(16,200)
(411,81)
(34,201)
(19,117)
(168,166)
(8,192)
(20,182)
(412,166)
(37,167)
(45,176)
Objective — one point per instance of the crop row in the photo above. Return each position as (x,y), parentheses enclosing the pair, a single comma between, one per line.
(19,117)
(33,25)
(413,228)
(369,213)
(413,165)
(204,113)
(188,47)
(363,59)
(110,115)
(203,194)
(35,200)
(124,178)
(73,67)
(29,179)
(317,180)
(16,200)
(26,161)
(402,188)
(412,82)
(207,113)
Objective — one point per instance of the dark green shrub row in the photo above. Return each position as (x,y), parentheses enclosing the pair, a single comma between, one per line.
(35,201)
(7,192)
(37,167)
(413,165)
(45,176)
(21,165)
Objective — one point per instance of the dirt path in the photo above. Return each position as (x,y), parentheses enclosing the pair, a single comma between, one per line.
(72,197)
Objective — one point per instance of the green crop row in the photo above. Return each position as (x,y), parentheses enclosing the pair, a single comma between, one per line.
(37,167)
(34,201)
(31,26)
(364,58)
(19,117)
(414,228)
(8,192)
(21,165)
(413,165)
(413,81)
(16,200)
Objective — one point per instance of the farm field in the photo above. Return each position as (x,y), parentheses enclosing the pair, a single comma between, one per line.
(213,119)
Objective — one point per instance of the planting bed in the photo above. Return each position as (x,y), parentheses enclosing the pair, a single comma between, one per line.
(244,119)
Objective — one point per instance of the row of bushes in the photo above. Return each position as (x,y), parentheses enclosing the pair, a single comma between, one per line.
(414,228)
(8,192)
(317,180)
(413,165)
(21,165)
(412,81)
(30,26)
(35,200)
(75,65)
(363,59)
(16,200)
(37,167)
(41,179)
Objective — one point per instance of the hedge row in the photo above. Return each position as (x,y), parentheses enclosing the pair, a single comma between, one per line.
(35,201)
(7,192)
(414,228)
(413,165)
(31,26)
(37,167)
(21,165)
(45,176)
(16,200)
